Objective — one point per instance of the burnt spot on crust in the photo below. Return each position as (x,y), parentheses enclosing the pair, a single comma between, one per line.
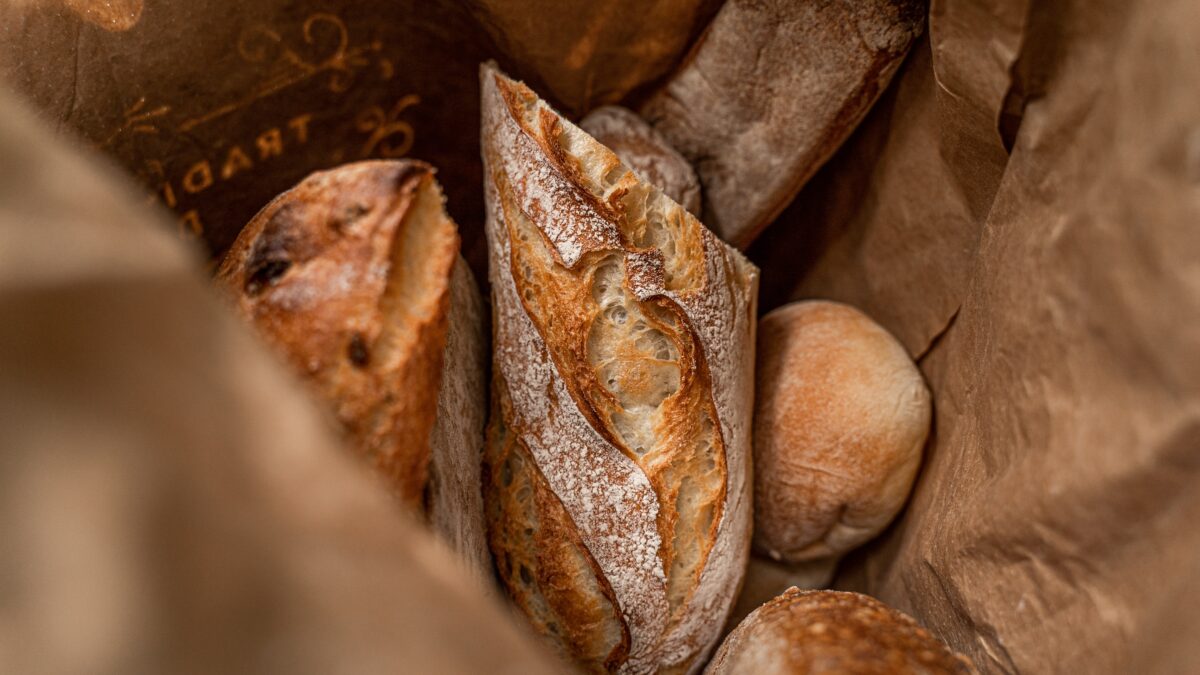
(348,215)
(264,273)
(273,252)
(357,351)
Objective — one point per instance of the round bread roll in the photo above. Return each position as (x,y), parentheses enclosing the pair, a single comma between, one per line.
(841,417)
(833,632)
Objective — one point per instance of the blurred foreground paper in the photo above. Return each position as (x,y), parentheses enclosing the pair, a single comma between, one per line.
(169,502)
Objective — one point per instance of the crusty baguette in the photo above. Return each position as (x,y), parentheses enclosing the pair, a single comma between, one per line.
(769,93)
(803,632)
(840,421)
(349,276)
(646,152)
(618,465)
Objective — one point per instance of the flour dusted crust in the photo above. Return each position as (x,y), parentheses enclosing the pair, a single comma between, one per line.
(803,632)
(770,91)
(618,477)
(353,276)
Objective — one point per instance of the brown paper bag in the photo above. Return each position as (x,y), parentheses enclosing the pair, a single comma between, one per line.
(1018,209)
(1053,298)
(216,107)
(169,500)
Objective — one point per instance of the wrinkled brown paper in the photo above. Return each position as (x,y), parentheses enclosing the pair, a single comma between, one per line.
(169,500)
(1020,208)
(1053,296)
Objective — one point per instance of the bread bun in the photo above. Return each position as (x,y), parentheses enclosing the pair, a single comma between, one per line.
(841,418)
(833,632)
(618,486)
(644,150)
(349,276)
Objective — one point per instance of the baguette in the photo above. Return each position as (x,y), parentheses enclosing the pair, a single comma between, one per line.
(617,476)
(770,91)
(354,276)
(803,632)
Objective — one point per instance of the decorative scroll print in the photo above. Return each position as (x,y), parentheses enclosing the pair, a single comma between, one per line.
(390,135)
(325,50)
(138,120)
(321,53)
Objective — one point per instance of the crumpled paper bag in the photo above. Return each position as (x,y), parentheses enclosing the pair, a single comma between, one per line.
(1021,211)
(170,502)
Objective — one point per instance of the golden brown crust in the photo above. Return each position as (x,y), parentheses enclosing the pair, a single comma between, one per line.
(766,578)
(770,91)
(840,422)
(616,318)
(540,558)
(803,632)
(347,275)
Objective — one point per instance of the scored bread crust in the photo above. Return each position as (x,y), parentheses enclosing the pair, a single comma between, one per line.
(622,385)
(348,275)
(833,632)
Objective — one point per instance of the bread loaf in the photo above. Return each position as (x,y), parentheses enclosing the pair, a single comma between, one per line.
(587,53)
(646,152)
(354,276)
(841,418)
(769,93)
(617,482)
(831,632)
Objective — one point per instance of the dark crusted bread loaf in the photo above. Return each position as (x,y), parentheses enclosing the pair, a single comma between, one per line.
(770,92)
(803,632)
(350,275)
(618,465)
